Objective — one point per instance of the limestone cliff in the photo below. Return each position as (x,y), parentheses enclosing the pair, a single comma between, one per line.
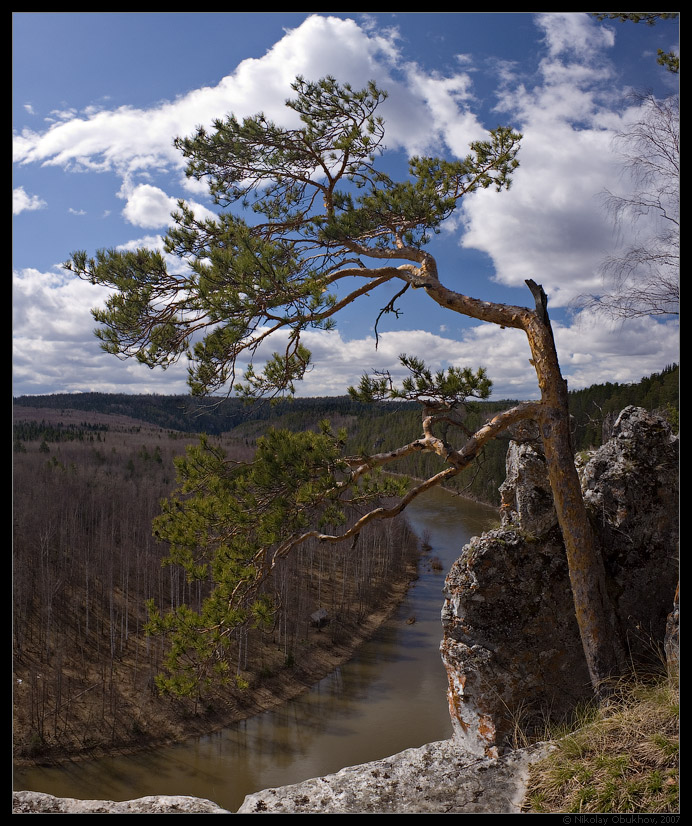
(511,645)
(439,778)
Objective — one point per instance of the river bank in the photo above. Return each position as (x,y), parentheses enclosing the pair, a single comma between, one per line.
(170,722)
(387,695)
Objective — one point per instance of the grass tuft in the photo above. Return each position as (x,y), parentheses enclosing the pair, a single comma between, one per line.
(624,759)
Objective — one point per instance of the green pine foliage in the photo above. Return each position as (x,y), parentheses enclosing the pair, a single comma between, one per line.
(302,209)
(88,580)
(229,525)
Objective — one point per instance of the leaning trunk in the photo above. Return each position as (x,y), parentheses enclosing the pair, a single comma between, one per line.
(595,615)
(598,626)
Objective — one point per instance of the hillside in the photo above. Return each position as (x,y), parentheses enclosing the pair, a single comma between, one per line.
(596,407)
(89,473)
(370,427)
(87,485)
(589,406)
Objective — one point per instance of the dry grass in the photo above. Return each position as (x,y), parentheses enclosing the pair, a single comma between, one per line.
(623,760)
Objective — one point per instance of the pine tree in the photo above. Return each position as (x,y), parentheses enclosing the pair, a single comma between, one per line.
(309,225)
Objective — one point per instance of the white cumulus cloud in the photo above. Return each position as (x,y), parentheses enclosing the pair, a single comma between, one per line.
(22,201)
(149,207)
(549,227)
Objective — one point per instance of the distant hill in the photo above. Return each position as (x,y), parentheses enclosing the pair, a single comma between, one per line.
(192,415)
(590,407)
(370,427)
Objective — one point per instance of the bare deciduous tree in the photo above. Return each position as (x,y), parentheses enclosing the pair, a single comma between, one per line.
(644,278)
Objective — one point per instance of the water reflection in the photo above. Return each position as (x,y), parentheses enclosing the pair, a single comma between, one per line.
(389,697)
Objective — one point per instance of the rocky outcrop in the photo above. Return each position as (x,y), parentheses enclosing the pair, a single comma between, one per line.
(439,778)
(671,644)
(37,803)
(511,644)
(525,495)
(631,489)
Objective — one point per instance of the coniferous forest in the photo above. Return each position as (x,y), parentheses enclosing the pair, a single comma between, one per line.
(89,473)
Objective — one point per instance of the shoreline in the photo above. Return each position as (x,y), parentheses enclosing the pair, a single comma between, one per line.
(316,664)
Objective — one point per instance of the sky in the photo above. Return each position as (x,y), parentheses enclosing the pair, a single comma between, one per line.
(99,97)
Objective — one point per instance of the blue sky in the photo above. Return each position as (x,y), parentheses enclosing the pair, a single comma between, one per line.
(98,99)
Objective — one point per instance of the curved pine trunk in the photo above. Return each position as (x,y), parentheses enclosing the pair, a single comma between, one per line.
(598,625)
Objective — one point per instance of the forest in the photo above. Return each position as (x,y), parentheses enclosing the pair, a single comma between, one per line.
(370,427)
(86,563)
(89,473)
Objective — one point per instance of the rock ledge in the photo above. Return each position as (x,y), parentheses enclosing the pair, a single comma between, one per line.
(38,803)
(438,778)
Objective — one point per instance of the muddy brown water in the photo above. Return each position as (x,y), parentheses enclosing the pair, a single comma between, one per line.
(389,697)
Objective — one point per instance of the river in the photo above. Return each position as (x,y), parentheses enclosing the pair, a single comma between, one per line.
(389,697)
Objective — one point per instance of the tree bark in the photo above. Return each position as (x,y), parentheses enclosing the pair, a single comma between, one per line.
(598,626)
